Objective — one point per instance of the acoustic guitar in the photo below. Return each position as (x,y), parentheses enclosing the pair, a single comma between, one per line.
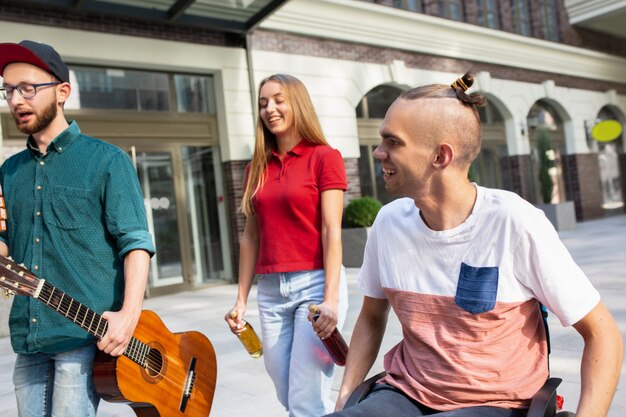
(161,374)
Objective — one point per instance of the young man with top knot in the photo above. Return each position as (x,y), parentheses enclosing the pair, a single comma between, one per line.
(76,219)
(465,269)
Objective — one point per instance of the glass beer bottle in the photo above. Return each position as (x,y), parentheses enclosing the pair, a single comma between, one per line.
(249,338)
(335,344)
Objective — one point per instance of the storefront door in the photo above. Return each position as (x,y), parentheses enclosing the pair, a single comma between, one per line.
(183,196)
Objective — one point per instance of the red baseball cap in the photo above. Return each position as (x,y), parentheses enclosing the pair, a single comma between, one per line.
(34,53)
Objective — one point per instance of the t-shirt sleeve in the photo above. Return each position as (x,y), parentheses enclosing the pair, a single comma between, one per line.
(369,275)
(332,171)
(544,265)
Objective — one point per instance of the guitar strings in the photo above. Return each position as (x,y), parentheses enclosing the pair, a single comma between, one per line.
(151,365)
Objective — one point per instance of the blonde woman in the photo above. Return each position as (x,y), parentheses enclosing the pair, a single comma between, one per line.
(293,202)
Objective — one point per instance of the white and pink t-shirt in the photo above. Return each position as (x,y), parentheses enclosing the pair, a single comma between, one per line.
(468,300)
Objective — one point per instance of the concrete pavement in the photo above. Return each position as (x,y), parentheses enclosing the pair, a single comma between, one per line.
(244,389)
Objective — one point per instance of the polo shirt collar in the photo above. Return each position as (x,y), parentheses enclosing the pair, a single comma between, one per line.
(298,150)
(61,142)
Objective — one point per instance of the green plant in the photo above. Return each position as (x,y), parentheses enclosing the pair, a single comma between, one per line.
(544,148)
(361,212)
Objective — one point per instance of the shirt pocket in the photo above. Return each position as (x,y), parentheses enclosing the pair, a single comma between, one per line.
(70,207)
(477,288)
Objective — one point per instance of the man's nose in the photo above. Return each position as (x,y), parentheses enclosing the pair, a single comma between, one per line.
(379,152)
(14,98)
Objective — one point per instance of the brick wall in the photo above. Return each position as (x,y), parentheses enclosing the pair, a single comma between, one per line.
(233,183)
(520,175)
(581,173)
(303,45)
(354,181)
(570,35)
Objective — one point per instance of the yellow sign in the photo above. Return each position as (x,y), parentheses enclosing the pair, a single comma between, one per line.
(606,130)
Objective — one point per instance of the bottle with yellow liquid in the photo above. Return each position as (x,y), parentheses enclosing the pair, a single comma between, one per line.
(249,338)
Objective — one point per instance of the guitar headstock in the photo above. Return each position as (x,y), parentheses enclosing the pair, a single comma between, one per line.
(15,279)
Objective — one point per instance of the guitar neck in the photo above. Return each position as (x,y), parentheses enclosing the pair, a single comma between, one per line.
(87,319)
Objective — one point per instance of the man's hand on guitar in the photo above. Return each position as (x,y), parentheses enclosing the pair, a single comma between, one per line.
(121,326)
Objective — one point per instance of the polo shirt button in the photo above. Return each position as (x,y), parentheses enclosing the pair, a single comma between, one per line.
(39,187)
(34,320)
(36,267)
(42,163)
(38,213)
(37,240)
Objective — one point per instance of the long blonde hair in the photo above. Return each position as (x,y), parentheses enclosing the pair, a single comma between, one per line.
(306,124)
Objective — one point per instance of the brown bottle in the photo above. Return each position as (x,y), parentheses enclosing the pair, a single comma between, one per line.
(335,344)
(249,338)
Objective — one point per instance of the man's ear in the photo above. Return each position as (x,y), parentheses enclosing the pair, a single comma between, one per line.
(63,92)
(444,156)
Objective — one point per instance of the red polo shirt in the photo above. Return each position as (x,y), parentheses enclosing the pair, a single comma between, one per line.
(288,207)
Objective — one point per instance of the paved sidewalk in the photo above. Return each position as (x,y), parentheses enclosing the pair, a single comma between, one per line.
(244,389)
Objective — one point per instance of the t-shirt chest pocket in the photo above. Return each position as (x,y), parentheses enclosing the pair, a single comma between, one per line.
(70,207)
(477,288)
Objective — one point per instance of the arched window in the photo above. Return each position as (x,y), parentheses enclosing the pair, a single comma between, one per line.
(610,175)
(370,112)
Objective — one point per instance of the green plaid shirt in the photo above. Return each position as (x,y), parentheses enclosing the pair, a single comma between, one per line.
(73,214)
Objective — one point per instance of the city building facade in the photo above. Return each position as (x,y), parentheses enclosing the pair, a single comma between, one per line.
(174,83)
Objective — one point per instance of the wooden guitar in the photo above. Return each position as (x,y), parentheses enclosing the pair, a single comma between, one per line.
(161,374)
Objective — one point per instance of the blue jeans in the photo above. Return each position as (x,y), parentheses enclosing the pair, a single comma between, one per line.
(56,385)
(295,358)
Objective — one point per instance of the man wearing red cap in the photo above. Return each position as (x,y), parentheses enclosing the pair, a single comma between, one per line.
(76,219)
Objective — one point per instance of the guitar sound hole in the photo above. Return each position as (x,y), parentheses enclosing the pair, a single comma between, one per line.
(155,363)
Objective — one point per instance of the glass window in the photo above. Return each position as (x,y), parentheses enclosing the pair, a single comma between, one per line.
(110,88)
(488,14)
(412,5)
(377,101)
(489,114)
(451,9)
(549,20)
(195,93)
(521,17)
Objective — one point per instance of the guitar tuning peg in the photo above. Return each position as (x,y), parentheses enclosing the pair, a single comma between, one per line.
(6,293)
(22,265)
(10,258)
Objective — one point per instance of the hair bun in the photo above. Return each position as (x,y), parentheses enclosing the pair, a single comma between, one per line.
(463,83)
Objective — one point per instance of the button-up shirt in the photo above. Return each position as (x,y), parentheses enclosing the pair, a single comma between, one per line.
(73,214)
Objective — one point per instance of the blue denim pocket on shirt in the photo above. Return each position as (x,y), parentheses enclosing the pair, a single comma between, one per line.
(477,288)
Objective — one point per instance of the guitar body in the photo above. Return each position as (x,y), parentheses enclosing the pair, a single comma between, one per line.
(158,390)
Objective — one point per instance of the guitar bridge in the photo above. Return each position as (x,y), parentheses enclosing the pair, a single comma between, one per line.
(189,382)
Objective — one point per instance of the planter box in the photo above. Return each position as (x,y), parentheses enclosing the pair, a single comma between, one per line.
(562,215)
(353,245)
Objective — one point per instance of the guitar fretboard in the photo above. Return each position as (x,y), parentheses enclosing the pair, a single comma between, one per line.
(89,320)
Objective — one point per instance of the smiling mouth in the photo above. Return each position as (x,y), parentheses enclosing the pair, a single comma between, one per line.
(388,172)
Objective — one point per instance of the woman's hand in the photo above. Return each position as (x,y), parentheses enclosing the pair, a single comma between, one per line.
(234,318)
(326,323)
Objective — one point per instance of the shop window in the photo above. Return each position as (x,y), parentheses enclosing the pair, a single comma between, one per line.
(549,20)
(195,93)
(488,14)
(126,89)
(109,88)
(451,9)
(521,17)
